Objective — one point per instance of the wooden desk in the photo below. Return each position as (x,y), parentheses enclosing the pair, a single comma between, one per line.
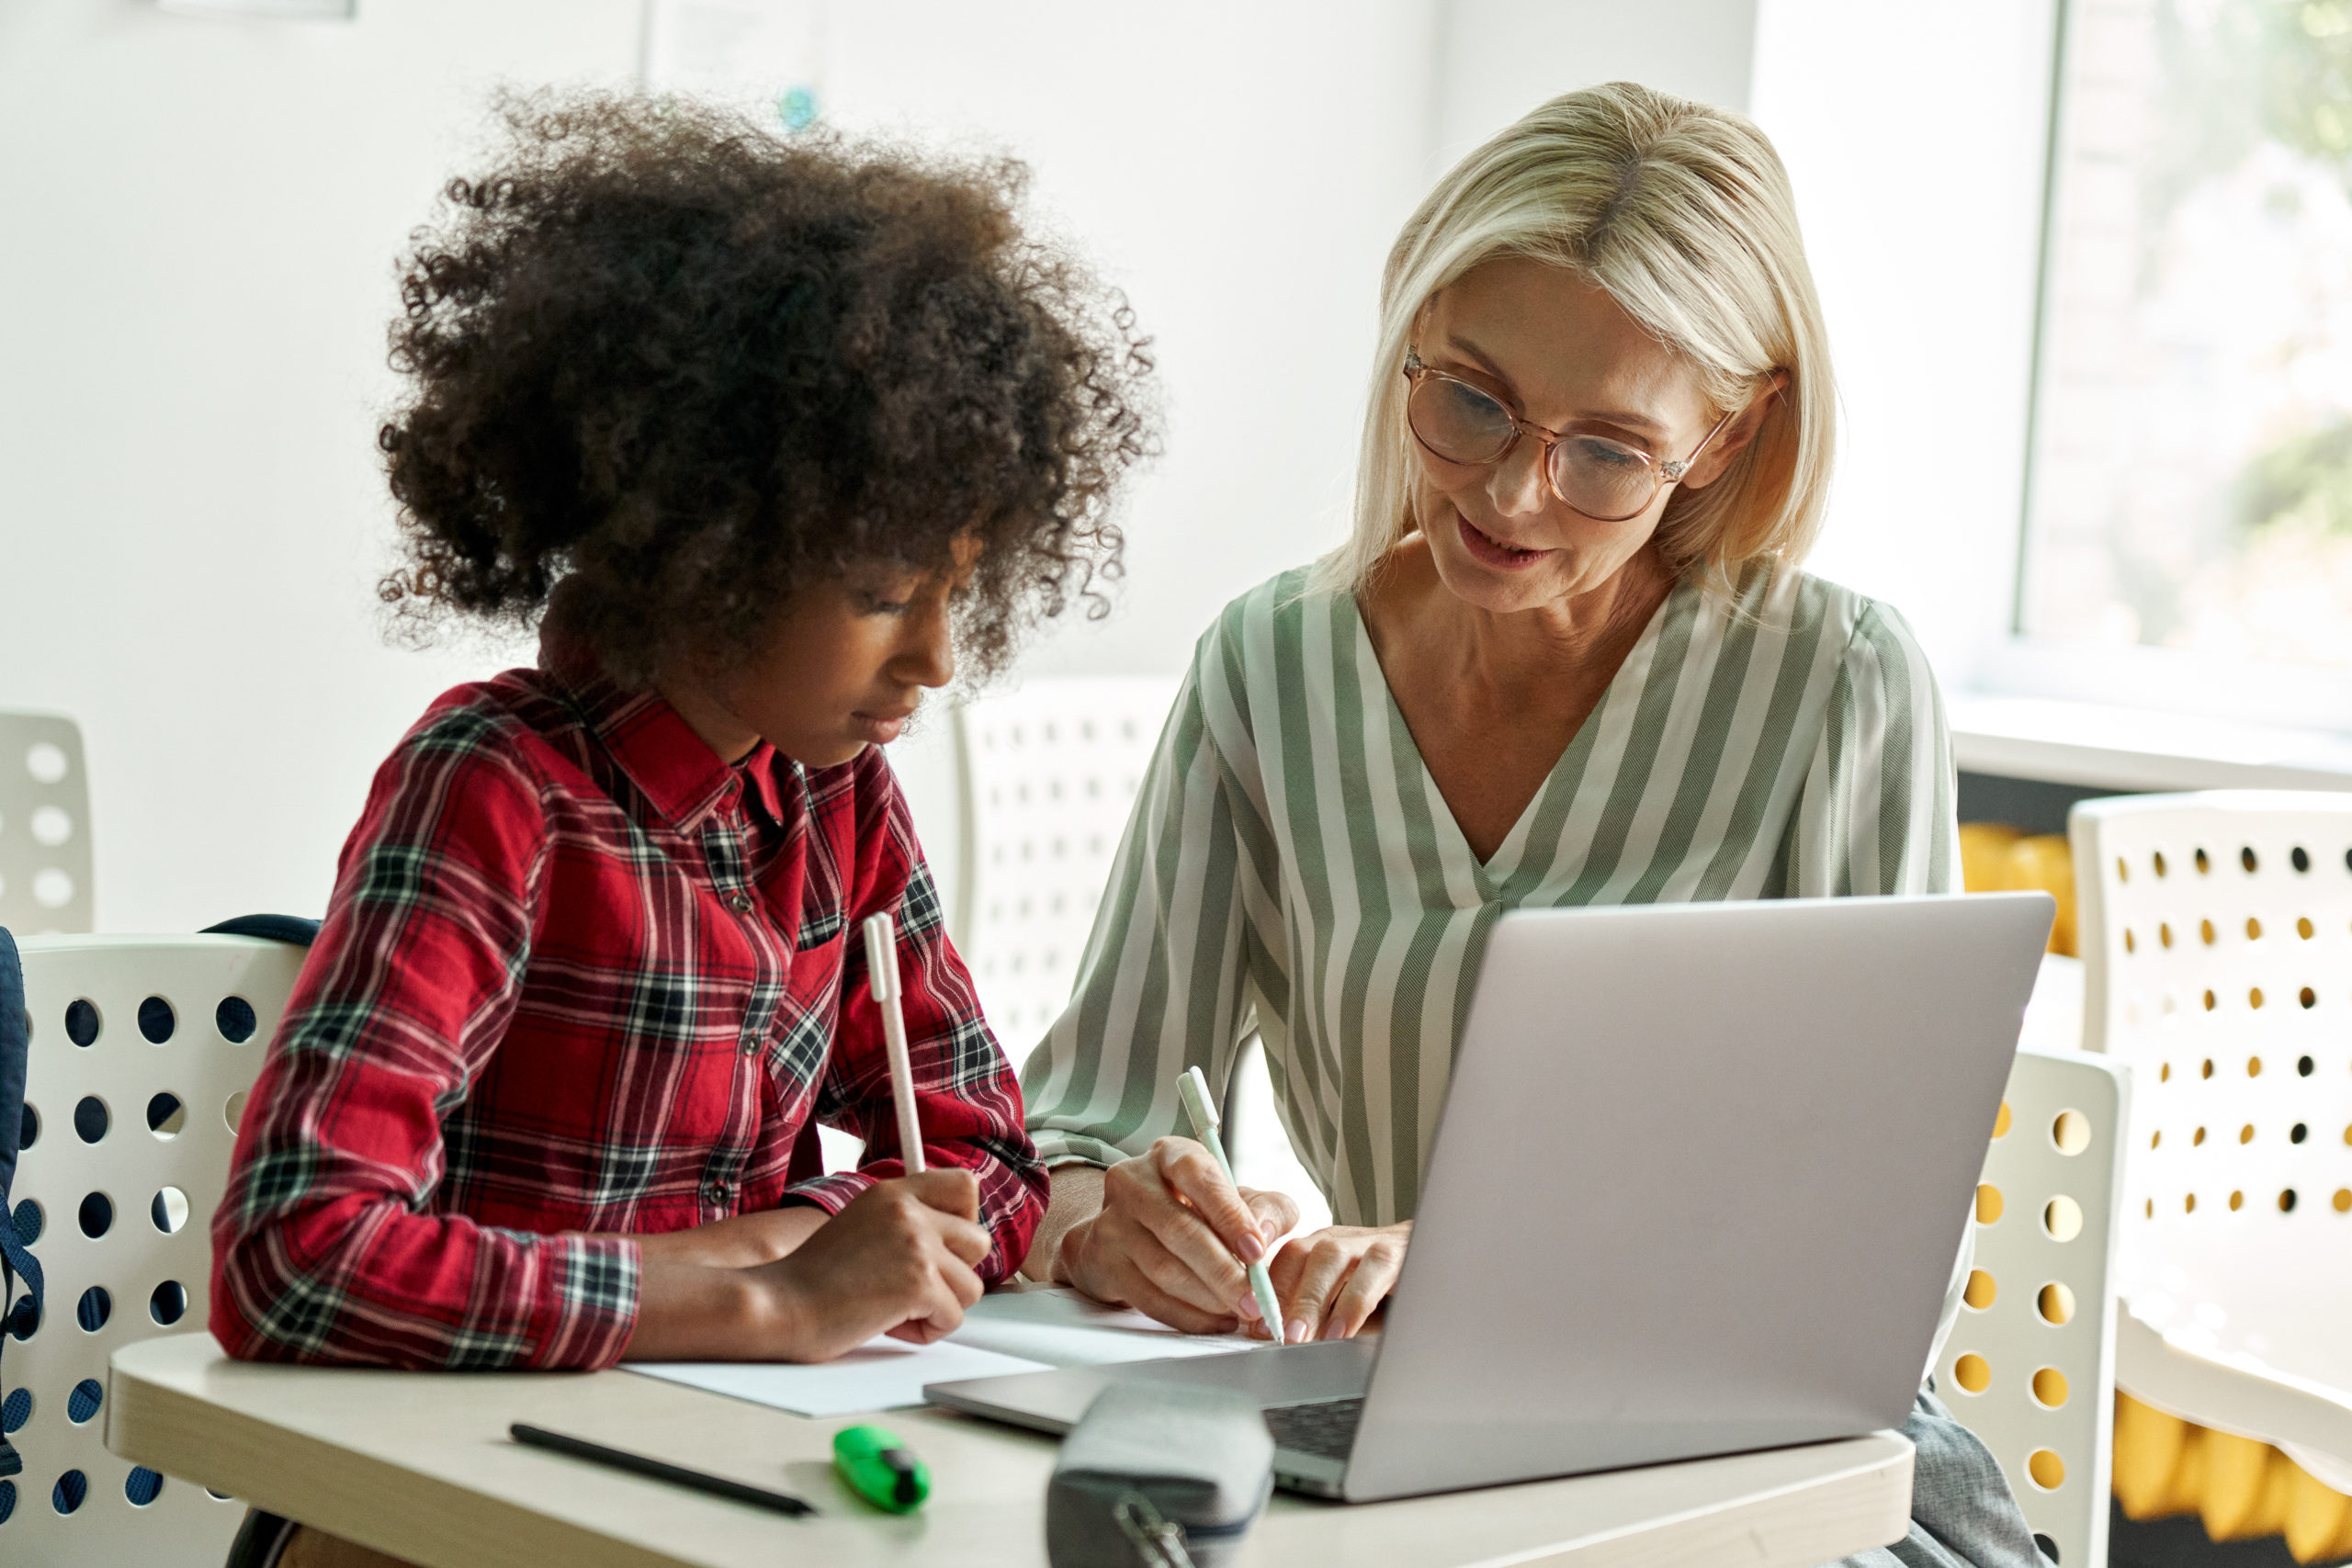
(419,1465)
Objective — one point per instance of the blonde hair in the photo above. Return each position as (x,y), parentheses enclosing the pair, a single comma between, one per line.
(1683,213)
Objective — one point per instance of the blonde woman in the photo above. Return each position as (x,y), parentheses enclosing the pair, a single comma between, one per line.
(1567,657)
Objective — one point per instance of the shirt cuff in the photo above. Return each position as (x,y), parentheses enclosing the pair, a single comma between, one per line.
(831,1193)
(592,1311)
(1075,1148)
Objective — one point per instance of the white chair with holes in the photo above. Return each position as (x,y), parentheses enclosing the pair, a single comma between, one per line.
(44,826)
(1050,771)
(2217,940)
(142,1049)
(2029,1367)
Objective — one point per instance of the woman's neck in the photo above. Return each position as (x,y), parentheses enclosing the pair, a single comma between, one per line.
(1526,653)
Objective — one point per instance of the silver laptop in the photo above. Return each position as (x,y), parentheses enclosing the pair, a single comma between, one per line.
(1698,1187)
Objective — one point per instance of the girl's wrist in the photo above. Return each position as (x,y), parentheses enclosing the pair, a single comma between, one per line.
(774,1311)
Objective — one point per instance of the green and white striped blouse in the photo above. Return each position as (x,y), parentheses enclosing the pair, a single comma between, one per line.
(1291,866)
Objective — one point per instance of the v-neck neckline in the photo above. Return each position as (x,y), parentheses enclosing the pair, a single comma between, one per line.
(1500,867)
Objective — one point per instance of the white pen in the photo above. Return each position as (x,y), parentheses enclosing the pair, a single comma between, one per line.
(1194,1091)
(882,975)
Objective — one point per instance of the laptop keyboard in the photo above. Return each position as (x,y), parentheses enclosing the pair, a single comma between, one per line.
(1326,1428)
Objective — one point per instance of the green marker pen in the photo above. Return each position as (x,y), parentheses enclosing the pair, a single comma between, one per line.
(881,1469)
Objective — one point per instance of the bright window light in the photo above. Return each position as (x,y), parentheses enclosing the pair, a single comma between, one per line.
(2190,481)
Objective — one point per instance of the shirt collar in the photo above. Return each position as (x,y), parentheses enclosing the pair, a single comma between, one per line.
(652,743)
(764,778)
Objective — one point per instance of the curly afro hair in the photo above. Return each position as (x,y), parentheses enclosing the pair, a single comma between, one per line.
(687,366)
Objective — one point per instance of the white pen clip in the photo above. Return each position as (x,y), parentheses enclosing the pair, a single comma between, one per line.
(1194,1089)
(882,957)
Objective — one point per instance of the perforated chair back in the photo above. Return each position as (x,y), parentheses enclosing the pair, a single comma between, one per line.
(1050,771)
(2217,933)
(2031,1365)
(142,1049)
(44,826)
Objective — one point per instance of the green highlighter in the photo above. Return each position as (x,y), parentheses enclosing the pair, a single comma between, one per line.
(881,1469)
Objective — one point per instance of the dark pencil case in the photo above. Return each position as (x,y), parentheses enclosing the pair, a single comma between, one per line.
(1150,1461)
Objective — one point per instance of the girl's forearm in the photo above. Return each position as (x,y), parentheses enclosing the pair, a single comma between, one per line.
(745,1241)
(698,1312)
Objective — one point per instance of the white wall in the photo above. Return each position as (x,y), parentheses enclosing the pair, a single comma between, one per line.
(201,218)
(207,213)
(1500,58)
(1914,136)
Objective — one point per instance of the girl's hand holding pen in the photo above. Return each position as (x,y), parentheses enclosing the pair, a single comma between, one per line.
(900,1258)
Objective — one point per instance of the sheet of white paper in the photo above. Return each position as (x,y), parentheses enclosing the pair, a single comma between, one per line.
(881,1375)
(1010,1331)
(1062,1328)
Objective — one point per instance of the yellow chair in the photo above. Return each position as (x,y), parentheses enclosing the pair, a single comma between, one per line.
(1998,858)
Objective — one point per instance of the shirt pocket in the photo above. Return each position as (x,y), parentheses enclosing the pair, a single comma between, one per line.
(819,926)
(824,902)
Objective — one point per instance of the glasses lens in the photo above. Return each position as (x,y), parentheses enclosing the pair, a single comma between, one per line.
(1457,422)
(1601,478)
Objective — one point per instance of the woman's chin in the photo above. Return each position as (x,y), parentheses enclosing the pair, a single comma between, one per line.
(1499,588)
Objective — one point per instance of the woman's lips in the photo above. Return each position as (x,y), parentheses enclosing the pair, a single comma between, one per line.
(880,731)
(1491,551)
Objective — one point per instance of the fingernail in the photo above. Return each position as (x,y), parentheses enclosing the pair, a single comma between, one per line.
(1252,1248)
(1298,1333)
(1249,1308)
(1330,1328)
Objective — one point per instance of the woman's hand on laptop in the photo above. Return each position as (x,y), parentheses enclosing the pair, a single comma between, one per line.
(1172,1238)
(1332,1282)
(898,1259)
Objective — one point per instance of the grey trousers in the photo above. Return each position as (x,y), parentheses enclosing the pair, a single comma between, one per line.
(1962,1512)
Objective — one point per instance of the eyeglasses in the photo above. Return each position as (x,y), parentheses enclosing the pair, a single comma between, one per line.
(1606,480)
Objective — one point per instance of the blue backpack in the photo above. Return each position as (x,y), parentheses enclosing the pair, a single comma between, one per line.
(16,1260)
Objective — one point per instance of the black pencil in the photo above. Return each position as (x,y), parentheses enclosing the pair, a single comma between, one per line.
(717,1486)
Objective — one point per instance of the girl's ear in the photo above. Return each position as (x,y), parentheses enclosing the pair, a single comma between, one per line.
(1735,435)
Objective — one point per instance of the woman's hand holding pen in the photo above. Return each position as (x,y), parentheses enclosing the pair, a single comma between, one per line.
(1172,1238)
(900,1258)
(1172,1235)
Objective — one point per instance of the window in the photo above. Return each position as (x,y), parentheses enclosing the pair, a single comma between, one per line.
(2190,485)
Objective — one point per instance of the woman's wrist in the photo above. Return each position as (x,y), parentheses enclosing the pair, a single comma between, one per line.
(1074,1198)
(1068,1248)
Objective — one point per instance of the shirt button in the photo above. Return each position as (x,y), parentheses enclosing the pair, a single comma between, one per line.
(739,902)
(714,1191)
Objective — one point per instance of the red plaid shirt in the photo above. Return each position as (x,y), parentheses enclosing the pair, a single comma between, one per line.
(580,975)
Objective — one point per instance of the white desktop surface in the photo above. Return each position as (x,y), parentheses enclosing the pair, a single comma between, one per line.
(419,1465)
